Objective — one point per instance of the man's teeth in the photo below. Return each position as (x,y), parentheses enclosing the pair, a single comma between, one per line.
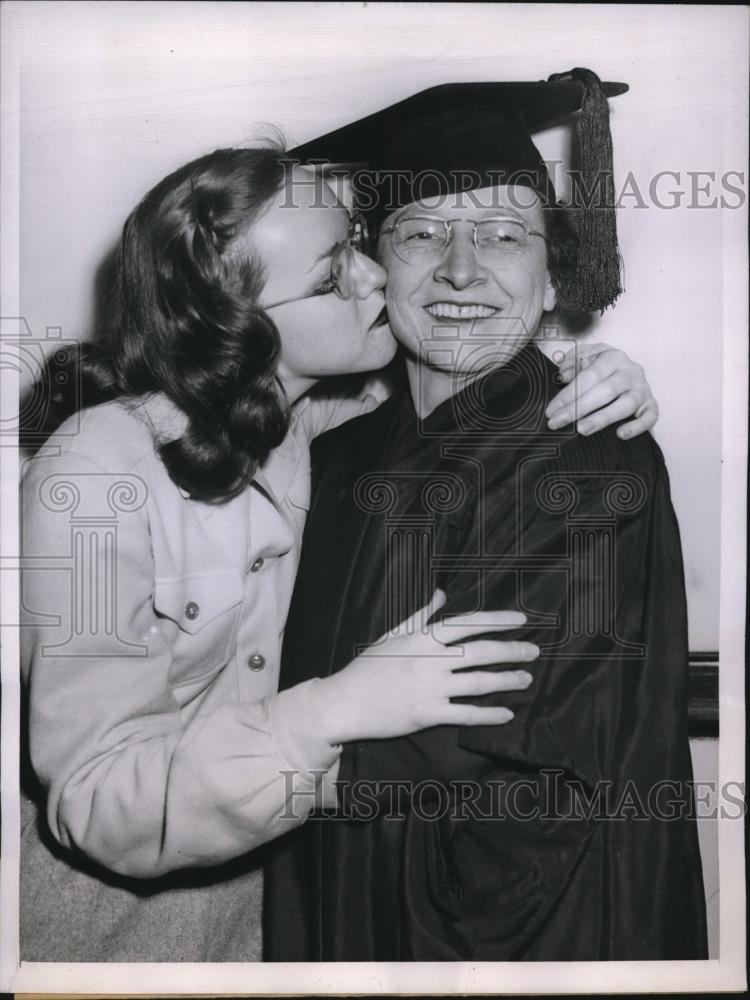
(450,310)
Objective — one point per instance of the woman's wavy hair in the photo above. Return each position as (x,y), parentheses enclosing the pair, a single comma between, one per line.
(183,321)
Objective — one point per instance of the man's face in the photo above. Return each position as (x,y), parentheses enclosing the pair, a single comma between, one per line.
(468,309)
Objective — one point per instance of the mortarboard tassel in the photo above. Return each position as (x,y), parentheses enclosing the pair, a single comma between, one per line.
(597,282)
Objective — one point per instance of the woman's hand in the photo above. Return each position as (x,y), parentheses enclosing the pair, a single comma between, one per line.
(604,386)
(404,682)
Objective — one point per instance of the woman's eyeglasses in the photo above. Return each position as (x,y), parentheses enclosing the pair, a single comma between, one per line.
(341,279)
(418,238)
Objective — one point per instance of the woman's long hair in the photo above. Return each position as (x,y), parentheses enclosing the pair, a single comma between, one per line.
(182,321)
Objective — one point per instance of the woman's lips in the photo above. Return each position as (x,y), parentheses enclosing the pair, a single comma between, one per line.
(460,311)
(380,319)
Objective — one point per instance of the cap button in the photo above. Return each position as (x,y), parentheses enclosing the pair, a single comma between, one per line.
(192,610)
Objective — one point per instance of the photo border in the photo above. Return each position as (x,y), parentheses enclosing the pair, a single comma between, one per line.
(728,973)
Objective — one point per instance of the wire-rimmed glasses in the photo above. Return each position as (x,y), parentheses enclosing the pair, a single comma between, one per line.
(341,278)
(504,240)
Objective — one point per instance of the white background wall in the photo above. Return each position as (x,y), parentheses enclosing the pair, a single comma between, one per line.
(115,95)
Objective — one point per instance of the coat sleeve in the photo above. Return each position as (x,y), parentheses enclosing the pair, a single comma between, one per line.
(133,781)
(323,413)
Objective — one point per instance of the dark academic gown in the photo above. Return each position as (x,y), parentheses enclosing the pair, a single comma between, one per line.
(565,834)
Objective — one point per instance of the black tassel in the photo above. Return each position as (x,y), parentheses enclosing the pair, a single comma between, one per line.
(597,282)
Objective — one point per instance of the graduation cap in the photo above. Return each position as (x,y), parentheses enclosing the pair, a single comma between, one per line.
(463,136)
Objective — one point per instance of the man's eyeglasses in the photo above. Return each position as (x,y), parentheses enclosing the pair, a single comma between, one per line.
(343,263)
(420,238)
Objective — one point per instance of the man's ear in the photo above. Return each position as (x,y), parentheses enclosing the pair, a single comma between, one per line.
(550,295)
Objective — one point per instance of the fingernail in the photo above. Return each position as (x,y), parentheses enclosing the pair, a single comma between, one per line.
(531,651)
(524,677)
(557,421)
(624,432)
(507,715)
(552,408)
(585,428)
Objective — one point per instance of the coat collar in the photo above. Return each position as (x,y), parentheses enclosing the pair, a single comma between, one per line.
(279,471)
(167,421)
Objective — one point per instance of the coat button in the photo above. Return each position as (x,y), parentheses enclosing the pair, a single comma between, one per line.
(258,564)
(192,611)
(256,661)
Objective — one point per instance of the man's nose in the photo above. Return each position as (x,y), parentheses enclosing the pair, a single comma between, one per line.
(366,274)
(460,264)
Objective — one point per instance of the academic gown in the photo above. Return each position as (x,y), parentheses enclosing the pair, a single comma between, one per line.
(568,833)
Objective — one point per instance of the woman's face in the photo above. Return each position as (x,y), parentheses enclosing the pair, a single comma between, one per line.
(321,334)
(458,311)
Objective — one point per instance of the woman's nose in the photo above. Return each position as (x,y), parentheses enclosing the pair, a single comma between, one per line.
(460,264)
(367,275)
